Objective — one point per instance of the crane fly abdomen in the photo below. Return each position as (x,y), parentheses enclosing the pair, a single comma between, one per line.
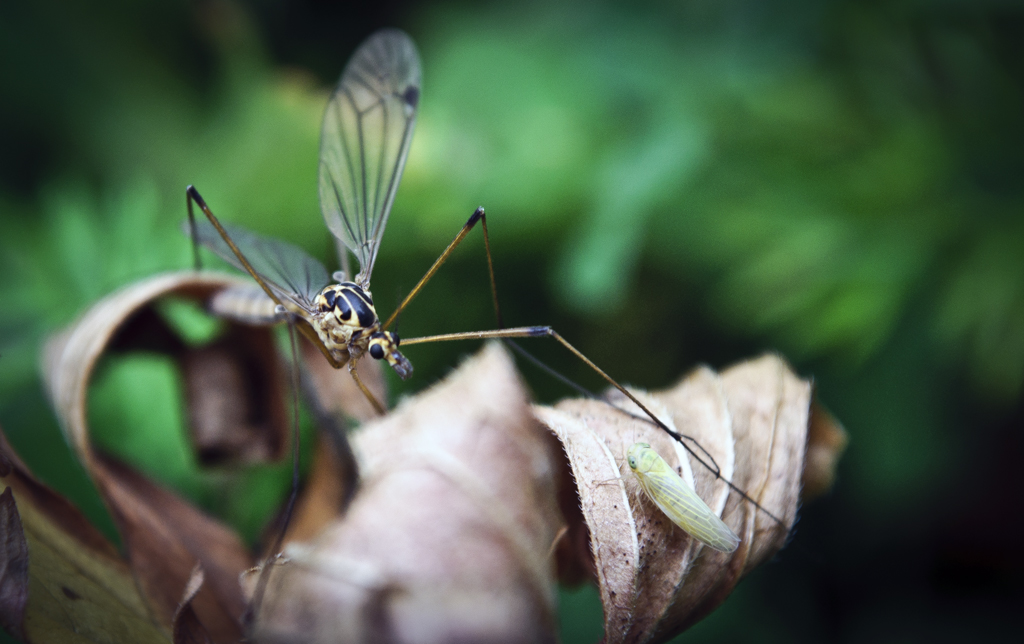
(246,304)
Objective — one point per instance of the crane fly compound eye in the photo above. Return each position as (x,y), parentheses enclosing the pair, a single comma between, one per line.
(376,351)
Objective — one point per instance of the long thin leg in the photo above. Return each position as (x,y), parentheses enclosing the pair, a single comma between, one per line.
(197,263)
(379,408)
(192,195)
(480,216)
(264,575)
(477,215)
(546,331)
(586,393)
(490,270)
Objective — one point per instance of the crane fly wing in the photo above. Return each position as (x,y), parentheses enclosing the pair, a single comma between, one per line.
(365,140)
(293,275)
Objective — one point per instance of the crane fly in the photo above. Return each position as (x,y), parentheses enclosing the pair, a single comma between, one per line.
(364,142)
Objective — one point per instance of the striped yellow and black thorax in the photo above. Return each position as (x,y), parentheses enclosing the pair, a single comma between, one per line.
(348,323)
(350,306)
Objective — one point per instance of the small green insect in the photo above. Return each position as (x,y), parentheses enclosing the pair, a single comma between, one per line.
(678,500)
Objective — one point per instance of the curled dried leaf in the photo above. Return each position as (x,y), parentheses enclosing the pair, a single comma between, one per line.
(164,535)
(333,397)
(13,567)
(826,442)
(750,423)
(449,536)
(235,411)
(452,532)
(78,588)
(187,629)
(325,494)
(335,389)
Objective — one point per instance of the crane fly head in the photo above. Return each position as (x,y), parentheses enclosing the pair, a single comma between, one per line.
(384,345)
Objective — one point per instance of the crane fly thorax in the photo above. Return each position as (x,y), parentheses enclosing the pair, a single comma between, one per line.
(348,324)
(345,315)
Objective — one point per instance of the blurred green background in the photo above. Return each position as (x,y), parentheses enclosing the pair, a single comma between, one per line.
(667,184)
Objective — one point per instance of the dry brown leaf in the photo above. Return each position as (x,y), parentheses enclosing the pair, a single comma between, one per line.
(654,579)
(769,408)
(79,589)
(163,533)
(449,536)
(826,442)
(452,533)
(325,494)
(236,393)
(334,397)
(187,627)
(236,409)
(337,391)
(13,567)
(164,536)
(236,413)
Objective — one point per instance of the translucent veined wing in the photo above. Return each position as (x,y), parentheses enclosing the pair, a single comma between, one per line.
(293,275)
(364,142)
(678,500)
